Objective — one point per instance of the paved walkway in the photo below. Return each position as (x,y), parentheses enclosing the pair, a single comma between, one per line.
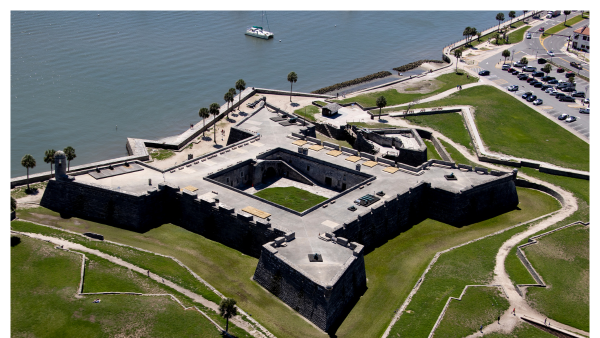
(238,321)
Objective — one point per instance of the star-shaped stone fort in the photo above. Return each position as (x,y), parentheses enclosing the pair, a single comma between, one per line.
(311,259)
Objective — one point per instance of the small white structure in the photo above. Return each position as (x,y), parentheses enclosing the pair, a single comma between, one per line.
(581,38)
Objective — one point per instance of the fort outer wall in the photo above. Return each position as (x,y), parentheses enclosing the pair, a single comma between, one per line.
(165,204)
(324,304)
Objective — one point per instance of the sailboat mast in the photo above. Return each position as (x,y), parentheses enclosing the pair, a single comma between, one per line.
(267,21)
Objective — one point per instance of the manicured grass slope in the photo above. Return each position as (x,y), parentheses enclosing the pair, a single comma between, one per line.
(291,197)
(521,331)
(432,153)
(479,306)
(564,25)
(390,279)
(457,156)
(308,112)
(393,97)
(451,125)
(43,304)
(517,36)
(509,126)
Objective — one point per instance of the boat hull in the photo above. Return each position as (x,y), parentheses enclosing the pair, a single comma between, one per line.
(260,36)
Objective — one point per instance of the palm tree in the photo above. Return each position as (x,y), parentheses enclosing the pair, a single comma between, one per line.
(547,69)
(566,14)
(478,36)
(466,33)
(70,153)
(381,102)
(505,54)
(232,98)
(227,310)
(499,18)
(213,109)
(292,78)
(497,36)
(204,114)
(28,162)
(240,85)
(512,15)
(49,158)
(524,61)
(457,55)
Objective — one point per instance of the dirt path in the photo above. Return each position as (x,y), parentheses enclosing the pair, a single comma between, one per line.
(213,306)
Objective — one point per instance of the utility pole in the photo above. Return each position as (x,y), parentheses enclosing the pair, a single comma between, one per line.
(512,56)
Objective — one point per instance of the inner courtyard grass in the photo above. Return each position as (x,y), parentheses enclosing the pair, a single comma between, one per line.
(44,281)
(393,97)
(478,306)
(291,197)
(509,126)
(389,279)
(308,112)
(451,125)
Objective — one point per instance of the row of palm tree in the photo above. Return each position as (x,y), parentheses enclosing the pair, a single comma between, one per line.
(29,162)
(213,109)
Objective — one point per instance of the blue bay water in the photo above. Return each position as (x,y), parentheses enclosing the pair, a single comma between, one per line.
(77,75)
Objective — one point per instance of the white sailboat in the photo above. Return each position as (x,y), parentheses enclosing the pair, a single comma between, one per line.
(258,31)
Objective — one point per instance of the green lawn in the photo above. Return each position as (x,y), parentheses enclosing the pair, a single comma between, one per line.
(393,97)
(44,281)
(457,157)
(373,125)
(563,25)
(522,330)
(432,153)
(308,112)
(509,126)
(212,261)
(291,197)
(479,306)
(162,154)
(21,191)
(517,36)
(322,103)
(451,125)
(391,279)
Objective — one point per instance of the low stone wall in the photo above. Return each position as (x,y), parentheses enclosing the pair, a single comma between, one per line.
(349,151)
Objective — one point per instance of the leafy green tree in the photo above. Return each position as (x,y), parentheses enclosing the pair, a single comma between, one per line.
(213,109)
(572,80)
(292,78)
(512,15)
(204,114)
(240,85)
(566,14)
(547,68)
(457,55)
(381,102)
(227,309)
(70,154)
(505,54)
(28,162)
(499,18)
(524,61)
(49,158)
(497,36)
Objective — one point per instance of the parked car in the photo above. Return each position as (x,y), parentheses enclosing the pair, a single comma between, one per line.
(554,93)
(563,116)
(538,102)
(569,74)
(512,88)
(510,70)
(522,76)
(568,89)
(505,67)
(528,36)
(564,85)
(576,65)
(551,53)
(547,78)
(531,98)
(578,94)
(550,90)
(560,95)
(538,85)
(529,79)
(546,87)
(538,74)
(515,72)
(518,64)
(541,29)
(526,95)
(571,119)
(529,69)
(566,99)
(584,110)
(541,61)
(484,72)
(553,81)
(586,101)
(560,70)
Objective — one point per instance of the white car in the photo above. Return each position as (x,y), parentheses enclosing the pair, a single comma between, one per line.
(549,90)
(513,88)
(584,110)
(571,119)
(551,53)
(538,102)
(528,36)
(586,101)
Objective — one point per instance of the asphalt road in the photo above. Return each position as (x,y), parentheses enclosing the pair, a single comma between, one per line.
(551,105)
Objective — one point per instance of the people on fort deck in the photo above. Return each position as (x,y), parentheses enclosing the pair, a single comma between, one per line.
(97,300)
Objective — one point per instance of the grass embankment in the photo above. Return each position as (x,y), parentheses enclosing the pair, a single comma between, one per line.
(308,112)
(162,266)
(214,262)
(291,197)
(451,125)
(342,143)
(469,264)
(161,154)
(509,126)
(390,279)
(432,153)
(522,330)
(517,36)
(22,191)
(479,306)
(457,157)
(393,97)
(374,125)
(43,286)
(563,25)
